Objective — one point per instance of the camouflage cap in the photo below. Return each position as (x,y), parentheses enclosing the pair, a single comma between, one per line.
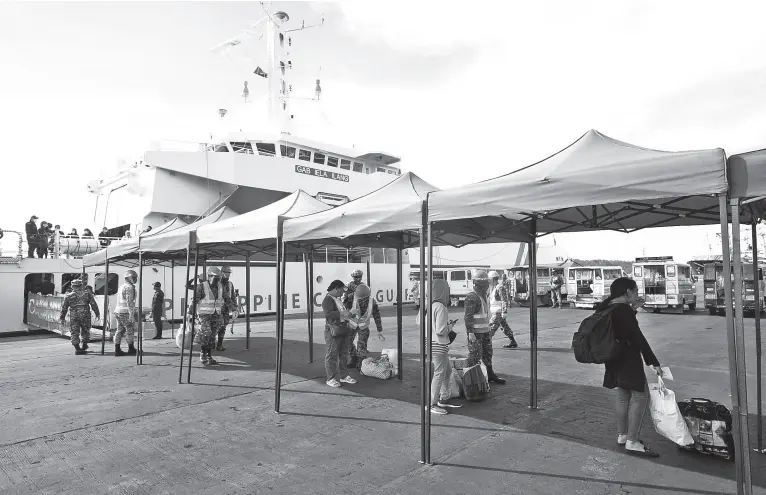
(76,283)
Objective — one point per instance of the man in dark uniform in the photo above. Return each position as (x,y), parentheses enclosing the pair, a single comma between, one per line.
(79,301)
(158,308)
(46,287)
(31,228)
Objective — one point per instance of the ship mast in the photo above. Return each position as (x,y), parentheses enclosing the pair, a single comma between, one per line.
(278,46)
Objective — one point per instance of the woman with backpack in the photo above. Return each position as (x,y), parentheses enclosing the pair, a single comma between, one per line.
(336,335)
(626,373)
(440,341)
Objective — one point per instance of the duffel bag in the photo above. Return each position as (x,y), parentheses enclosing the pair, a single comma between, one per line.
(377,367)
(710,424)
(474,384)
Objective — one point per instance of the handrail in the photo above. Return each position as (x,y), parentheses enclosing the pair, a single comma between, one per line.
(19,254)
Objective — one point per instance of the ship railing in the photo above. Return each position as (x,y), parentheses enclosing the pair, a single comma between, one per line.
(11,247)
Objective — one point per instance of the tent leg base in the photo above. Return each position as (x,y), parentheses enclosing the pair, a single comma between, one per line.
(760,451)
(426,463)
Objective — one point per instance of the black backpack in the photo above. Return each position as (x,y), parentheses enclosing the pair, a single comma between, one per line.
(594,342)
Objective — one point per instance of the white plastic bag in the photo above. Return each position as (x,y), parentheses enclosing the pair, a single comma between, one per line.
(393,358)
(455,385)
(180,336)
(665,414)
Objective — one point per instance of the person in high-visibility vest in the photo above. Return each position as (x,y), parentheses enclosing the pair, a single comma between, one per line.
(348,302)
(230,312)
(498,310)
(362,309)
(126,313)
(210,300)
(477,324)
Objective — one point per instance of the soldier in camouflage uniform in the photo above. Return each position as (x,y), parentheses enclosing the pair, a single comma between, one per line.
(477,324)
(499,300)
(230,313)
(210,299)
(126,313)
(348,302)
(362,309)
(80,302)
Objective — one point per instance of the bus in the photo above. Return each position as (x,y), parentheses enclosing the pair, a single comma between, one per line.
(587,286)
(714,288)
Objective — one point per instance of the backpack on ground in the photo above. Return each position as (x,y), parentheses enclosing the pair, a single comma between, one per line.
(594,342)
(474,384)
(710,424)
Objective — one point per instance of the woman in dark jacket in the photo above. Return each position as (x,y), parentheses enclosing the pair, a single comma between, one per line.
(626,373)
(336,357)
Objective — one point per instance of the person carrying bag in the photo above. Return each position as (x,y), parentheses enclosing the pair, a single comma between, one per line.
(336,335)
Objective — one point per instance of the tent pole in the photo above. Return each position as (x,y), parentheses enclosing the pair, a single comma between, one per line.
(368,272)
(194,313)
(399,309)
(140,320)
(247,302)
(730,336)
(308,306)
(311,300)
(282,298)
(758,303)
(429,330)
(106,303)
(184,310)
(277,380)
(172,297)
(424,218)
(739,341)
(533,315)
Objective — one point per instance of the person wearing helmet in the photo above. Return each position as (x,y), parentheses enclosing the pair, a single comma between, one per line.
(209,302)
(126,313)
(477,324)
(348,302)
(80,302)
(158,308)
(498,309)
(230,313)
(363,308)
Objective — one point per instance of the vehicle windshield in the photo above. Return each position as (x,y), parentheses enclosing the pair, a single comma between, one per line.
(612,274)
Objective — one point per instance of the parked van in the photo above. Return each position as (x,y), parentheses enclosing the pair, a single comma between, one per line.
(520,287)
(459,280)
(714,288)
(664,283)
(589,285)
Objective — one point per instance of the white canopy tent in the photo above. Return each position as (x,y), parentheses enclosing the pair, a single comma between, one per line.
(178,240)
(119,250)
(598,183)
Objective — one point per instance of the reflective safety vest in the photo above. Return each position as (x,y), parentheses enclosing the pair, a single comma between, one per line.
(122,304)
(481,319)
(495,301)
(364,320)
(210,304)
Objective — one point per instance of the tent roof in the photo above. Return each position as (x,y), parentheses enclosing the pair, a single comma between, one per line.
(257,229)
(126,247)
(595,183)
(375,220)
(747,181)
(178,239)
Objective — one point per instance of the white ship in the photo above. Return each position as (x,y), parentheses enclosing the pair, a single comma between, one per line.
(169,188)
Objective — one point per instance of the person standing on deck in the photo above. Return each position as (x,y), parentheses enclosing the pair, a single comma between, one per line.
(80,302)
(498,308)
(31,230)
(231,312)
(126,313)
(210,299)
(477,324)
(158,308)
(348,302)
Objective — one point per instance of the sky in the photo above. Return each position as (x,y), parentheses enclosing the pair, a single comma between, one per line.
(461,92)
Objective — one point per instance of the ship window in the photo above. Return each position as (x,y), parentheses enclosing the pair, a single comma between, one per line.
(332,161)
(287,151)
(358,167)
(266,149)
(240,147)
(304,155)
(381,169)
(457,275)
(367,170)
(220,148)
(345,164)
(98,284)
(319,158)
(66,280)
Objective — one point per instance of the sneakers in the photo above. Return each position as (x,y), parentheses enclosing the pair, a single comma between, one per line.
(622,439)
(444,404)
(348,380)
(333,383)
(637,447)
(438,410)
